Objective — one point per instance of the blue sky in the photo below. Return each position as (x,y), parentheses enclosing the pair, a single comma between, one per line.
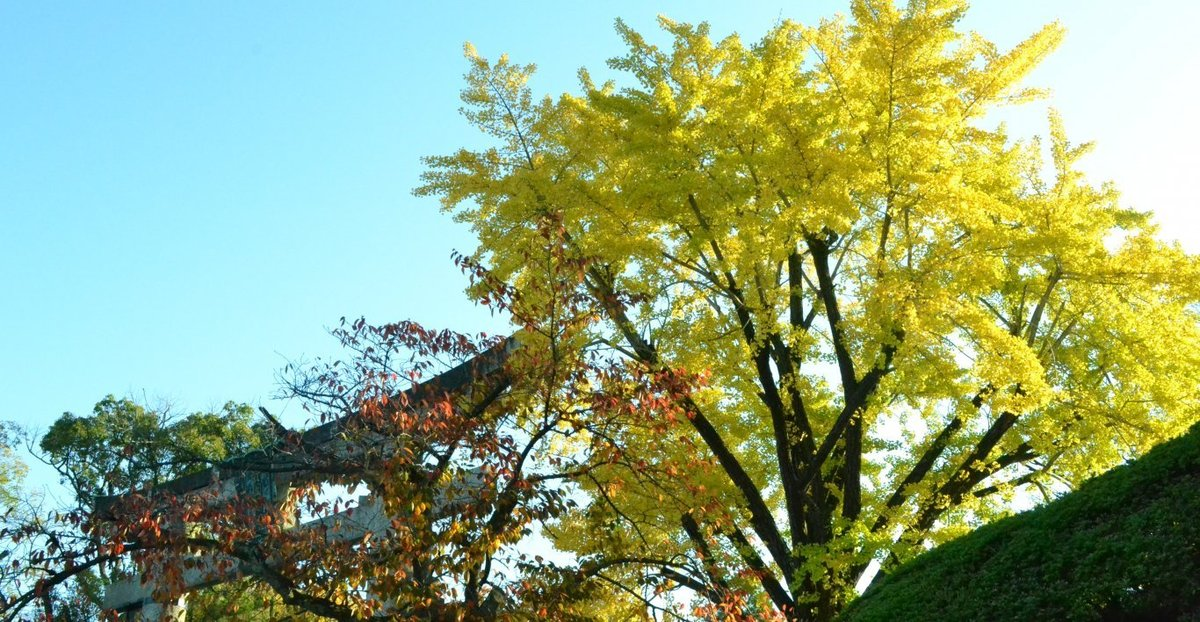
(190,193)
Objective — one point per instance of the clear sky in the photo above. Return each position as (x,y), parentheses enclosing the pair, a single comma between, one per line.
(190,193)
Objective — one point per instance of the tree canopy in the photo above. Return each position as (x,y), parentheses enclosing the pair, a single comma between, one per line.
(902,314)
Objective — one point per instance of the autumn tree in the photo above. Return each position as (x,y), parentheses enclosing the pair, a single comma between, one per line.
(901,315)
(454,450)
(121,446)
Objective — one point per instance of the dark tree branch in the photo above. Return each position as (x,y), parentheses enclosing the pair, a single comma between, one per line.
(925,463)
(973,470)
(707,559)
(792,446)
(854,403)
(1036,319)
(783,601)
(848,425)
(761,518)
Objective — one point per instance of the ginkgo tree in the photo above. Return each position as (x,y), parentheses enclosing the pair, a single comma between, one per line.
(899,315)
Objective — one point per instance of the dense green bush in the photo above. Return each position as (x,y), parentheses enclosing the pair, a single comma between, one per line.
(1125,546)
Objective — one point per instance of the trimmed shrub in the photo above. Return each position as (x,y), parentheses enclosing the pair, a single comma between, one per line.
(1125,546)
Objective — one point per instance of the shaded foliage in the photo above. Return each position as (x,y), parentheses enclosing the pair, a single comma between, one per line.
(1125,546)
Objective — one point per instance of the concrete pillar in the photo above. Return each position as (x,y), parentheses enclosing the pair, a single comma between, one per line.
(174,611)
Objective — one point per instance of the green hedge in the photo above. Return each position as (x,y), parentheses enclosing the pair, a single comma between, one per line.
(1125,546)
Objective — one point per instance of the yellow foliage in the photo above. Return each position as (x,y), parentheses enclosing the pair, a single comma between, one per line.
(718,177)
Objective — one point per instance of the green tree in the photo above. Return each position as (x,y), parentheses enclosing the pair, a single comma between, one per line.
(901,316)
(124,446)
